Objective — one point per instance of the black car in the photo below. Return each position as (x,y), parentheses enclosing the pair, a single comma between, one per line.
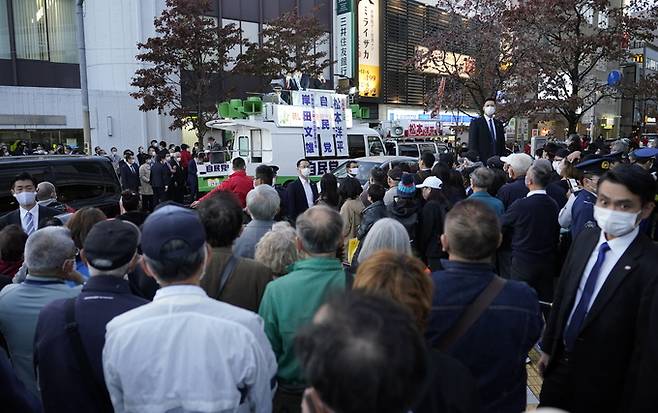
(79,180)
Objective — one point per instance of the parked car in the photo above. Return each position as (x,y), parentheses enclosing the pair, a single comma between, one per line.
(80,180)
(369,162)
(413,148)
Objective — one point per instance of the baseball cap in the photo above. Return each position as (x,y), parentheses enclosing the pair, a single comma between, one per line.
(111,244)
(171,223)
(406,187)
(431,182)
(520,162)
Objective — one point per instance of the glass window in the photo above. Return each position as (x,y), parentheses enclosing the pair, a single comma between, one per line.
(62,31)
(235,51)
(427,147)
(250,31)
(243,146)
(390,148)
(375,146)
(257,146)
(409,149)
(356,146)
(30,27)
(4,31)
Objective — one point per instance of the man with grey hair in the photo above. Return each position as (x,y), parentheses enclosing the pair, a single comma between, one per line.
(291,301)
(532,227)
(516,165)
(481,181)
(50,259)
(47,196)
(70,333)
(263,203)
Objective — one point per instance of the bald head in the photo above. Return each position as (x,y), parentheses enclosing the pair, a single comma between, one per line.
(45,191)
(471,231)
(320,230)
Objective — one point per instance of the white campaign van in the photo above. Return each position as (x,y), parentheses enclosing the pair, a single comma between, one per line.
(317,126)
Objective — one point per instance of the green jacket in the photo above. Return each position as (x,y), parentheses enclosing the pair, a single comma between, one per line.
(290,302)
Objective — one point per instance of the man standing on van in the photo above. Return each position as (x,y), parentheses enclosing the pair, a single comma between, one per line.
(486,135)
(301,194)
(29,213)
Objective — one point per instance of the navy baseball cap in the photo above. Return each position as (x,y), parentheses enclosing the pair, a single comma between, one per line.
(171,223)
(111,244)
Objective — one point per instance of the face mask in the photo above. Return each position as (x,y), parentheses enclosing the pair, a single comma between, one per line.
(177,159)
(615,223)
(557,165)
(45,202)
(352,171)
(306,172)
(489,111)
(25,198)
(114,152)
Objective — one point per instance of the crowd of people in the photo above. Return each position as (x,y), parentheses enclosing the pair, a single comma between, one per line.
(423,290)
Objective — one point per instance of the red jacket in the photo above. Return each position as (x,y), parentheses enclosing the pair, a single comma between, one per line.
(185,158)
(238,183)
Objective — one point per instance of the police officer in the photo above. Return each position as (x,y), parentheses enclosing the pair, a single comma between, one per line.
(582,211)
(646,158)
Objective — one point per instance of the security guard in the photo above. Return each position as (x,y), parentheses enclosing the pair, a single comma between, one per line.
(646,158)
(582,211)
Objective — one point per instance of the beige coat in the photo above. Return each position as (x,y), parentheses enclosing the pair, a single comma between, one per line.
(351,214)
(145,179)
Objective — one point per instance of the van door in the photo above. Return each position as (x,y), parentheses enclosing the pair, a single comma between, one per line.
(428,147)
(408,149)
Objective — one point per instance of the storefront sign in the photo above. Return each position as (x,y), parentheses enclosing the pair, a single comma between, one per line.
(344,38)
(445,63)
(368,35)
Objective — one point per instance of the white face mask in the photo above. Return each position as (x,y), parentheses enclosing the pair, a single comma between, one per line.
(306,172)
(26,198)
(353,171)
(615,223)
(557,165)
(489,110)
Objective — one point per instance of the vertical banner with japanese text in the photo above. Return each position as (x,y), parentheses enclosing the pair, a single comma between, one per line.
(325,122)
(308,115)
(368,35)
(344,38)
(339,105)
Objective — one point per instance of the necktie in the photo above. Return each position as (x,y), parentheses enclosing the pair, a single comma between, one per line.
(29,223)
(573,329)
(493,133)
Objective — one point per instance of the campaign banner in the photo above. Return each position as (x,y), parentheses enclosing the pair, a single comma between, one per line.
(310,131)
(340,129)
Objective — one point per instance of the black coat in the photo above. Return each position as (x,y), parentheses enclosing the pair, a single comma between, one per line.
(296,202)
(370,215)
(606,354)
(160,175)
(430,229)
(129,176)
(405,211)
(479,138)
(14,217)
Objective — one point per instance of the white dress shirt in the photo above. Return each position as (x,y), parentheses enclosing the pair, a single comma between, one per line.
(186,352)
(35,217)
(564,217)
(493,122)
(617,248)
(536,192)
(308,191)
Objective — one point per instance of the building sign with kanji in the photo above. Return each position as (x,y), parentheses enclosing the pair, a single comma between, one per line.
(344,38)
(368,35)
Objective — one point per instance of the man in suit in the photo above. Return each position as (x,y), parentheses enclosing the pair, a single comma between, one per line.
(597,329)
(425,164)
(192,169)
(72,380)
(29,214)
(486,135)
(516,165)
(129,173)
(531,224)
(160,178)
(176,190)
(301,194)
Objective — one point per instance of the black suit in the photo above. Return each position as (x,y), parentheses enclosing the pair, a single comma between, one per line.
(296,202)
(14,217)
(129,176)
(601,371)
(480,140)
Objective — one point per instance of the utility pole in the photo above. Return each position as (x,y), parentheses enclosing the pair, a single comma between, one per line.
(84,90)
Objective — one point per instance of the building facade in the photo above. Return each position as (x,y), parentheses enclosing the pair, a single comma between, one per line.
(40,96)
